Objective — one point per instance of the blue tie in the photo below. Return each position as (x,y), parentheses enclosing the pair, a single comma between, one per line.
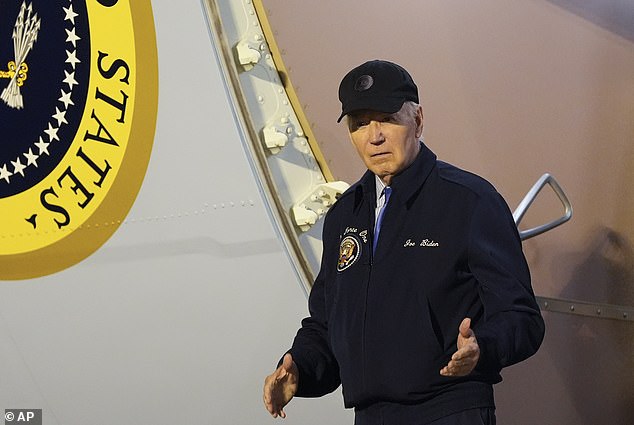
(387,191)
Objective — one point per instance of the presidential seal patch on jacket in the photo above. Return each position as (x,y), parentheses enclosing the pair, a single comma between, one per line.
(349,252)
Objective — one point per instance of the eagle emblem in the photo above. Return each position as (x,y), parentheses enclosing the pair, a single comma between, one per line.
(349,252)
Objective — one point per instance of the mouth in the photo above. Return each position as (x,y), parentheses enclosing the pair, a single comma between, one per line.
(374,155)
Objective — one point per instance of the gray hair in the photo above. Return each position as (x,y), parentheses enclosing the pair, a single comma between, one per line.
(410,108)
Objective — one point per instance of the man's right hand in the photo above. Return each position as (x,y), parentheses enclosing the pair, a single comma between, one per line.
(281,386)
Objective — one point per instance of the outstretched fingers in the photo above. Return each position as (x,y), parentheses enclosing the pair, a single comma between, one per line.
(465,359)
(280,387)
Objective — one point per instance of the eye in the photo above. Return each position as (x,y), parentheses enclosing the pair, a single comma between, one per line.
(357,123)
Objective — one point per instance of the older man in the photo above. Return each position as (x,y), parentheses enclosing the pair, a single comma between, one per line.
(424,293)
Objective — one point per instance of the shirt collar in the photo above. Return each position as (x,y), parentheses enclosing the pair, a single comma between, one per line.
(379,185)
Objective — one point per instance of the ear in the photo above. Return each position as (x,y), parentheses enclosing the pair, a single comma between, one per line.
(419,121)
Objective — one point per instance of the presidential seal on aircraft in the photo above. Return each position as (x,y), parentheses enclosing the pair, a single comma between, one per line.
(78,107)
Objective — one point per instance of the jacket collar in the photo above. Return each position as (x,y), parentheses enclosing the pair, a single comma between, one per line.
(405,184)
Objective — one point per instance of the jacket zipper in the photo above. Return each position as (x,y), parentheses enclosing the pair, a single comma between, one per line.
(365,314)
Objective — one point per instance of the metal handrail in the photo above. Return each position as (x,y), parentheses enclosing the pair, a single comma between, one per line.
(530,197)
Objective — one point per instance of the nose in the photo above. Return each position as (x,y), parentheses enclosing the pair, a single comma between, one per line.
(375,134)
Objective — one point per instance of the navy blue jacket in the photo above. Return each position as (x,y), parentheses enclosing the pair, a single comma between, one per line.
(384,325)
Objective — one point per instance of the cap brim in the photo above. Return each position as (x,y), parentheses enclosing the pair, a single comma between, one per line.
(386,105)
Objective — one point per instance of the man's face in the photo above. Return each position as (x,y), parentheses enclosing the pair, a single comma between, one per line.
(387,143)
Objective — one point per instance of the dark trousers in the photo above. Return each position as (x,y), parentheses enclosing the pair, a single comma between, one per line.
(482,416)
(478,416)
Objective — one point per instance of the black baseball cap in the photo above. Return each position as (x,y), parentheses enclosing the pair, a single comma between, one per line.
(376,85)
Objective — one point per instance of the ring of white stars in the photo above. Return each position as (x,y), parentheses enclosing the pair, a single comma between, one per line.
(58,119)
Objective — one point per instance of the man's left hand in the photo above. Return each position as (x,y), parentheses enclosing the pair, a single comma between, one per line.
(466,358)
